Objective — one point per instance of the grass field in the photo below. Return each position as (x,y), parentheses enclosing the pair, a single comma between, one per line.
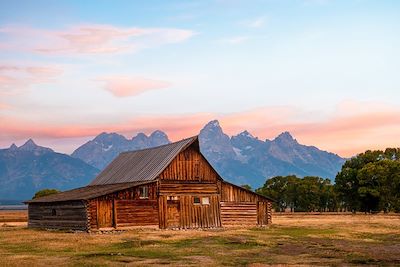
(292,240)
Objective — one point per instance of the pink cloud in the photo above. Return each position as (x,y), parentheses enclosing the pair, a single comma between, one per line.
(345,132)
(126,86)
(90,39)
(15,78)
(4,106)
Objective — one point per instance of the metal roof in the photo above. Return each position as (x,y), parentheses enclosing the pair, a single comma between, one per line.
(86,193)
(141,165)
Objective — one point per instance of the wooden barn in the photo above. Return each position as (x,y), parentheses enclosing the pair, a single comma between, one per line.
(170,186)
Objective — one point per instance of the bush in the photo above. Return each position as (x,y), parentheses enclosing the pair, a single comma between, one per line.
(45,192)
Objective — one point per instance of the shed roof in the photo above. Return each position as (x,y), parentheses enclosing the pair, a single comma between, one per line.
(141,165)
(86,193)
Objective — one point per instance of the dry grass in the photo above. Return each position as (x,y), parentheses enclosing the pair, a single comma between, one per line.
(292,240)
(13,216)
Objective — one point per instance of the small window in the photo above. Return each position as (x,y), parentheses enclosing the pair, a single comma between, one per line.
(144,192)
(196,200)
(205,201)
(53,212)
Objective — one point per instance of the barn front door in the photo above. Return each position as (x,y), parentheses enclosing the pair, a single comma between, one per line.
(105,214)
(173,213)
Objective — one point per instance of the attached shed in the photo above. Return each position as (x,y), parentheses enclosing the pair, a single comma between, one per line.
(170,186)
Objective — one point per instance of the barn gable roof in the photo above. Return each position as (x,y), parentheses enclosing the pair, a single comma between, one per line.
(86,193)
(141,165)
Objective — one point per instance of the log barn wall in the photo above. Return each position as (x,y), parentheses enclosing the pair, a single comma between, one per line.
(240,206)
(58,215)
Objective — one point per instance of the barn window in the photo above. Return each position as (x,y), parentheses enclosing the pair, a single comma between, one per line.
(144,192)
(196,200)
(53,212)
(205,201)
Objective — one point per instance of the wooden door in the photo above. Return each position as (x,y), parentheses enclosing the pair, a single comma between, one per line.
(173,214)
(105,214)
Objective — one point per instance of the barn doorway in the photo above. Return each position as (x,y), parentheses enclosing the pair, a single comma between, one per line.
(105,214)
(173,212)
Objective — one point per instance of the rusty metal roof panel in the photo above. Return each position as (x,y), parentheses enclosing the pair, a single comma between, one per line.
(141,165)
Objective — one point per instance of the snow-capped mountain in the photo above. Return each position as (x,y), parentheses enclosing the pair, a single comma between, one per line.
(244,158)
(100,151)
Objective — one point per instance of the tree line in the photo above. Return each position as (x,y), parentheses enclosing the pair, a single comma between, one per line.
(369,182)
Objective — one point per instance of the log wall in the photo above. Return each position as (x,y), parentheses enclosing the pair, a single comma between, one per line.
(242,207)
(54,215)
(238,214)
(136,213)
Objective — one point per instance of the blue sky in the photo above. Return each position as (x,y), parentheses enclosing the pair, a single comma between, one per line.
(325,70)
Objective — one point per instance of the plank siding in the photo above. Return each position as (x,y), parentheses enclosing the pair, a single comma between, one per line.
(199,215)
(127,208)
(189,165)
(63,215)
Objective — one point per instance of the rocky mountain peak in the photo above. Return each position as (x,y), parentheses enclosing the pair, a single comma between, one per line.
(106,137)
(158,138)
(31,146)
(13,147)
(140,136)
(28,144)
(159,135)
(212,128)
(285,138)
(246,134)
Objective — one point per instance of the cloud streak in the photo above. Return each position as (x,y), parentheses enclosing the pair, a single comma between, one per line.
(345,132)
(89,39)
(254,23)
(121,86)
(16,78)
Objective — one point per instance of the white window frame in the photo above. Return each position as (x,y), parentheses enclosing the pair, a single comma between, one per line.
(205,201)
(144,192)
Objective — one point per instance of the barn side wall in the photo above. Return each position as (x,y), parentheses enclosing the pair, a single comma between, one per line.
(240,207)
(58,215)
(126,207)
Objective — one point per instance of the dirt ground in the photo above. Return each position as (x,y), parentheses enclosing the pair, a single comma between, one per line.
(292,239)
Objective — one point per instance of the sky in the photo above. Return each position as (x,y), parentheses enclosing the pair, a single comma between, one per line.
(327,71)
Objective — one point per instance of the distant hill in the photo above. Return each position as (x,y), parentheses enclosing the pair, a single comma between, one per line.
(29,168)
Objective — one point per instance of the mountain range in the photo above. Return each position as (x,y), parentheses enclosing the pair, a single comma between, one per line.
(29,168)
(241,159)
